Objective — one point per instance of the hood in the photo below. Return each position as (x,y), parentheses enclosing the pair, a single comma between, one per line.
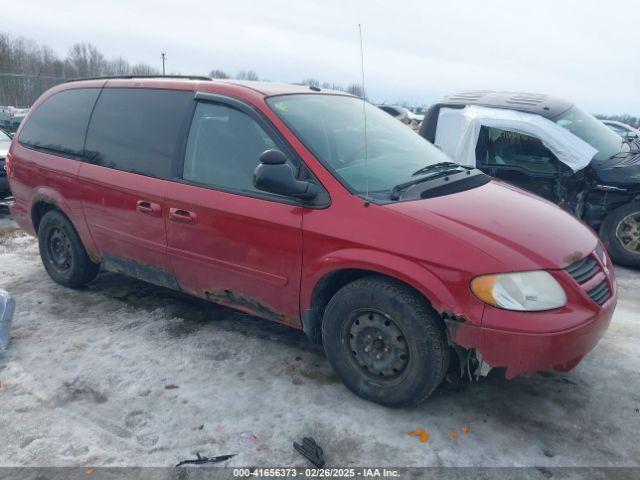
(623,168)
(520,230)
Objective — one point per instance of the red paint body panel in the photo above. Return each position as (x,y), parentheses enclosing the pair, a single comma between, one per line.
(118,228)
(266,257)
(247,246)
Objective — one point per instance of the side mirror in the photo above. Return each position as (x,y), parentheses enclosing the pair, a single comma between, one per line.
(632,135)
(274,175)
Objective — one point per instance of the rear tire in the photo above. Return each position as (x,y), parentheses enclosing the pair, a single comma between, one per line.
(385,342)
(62,252)
(620,233)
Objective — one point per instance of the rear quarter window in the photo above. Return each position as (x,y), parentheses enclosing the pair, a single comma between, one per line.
(59,124)
(138,130)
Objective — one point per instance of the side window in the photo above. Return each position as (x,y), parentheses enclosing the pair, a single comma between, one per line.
(498,147)
(59,124)
(138,130)
(224,147)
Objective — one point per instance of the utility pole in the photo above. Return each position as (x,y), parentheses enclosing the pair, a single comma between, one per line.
(164,57)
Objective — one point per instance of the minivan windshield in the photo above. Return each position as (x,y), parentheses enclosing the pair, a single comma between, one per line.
(332,128)
(592,131)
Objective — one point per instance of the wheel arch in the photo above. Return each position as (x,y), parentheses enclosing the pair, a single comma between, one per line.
(331,274)
(40,208)
(46,199)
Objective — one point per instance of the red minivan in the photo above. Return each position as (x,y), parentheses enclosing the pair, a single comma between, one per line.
(317,210)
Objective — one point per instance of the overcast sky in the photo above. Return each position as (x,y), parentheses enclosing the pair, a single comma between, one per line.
(585,50)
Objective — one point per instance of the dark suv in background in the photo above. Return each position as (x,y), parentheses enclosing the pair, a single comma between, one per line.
(605,193)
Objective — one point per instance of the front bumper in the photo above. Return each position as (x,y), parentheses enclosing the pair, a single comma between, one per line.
(524,353)
(529,342)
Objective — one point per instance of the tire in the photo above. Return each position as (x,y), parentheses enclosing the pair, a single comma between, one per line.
(616,233)
(401,322)
(62,253)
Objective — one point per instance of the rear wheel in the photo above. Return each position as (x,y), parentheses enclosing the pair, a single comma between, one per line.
(620,233)
(63,255)
(385,342)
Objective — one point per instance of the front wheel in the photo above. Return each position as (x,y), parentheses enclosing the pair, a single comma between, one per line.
(620,233)
(385,342)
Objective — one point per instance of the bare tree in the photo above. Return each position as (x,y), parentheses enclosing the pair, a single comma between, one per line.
(51,64)
(332,86)
(247,75)
(144,69)
(624,118)
(118,66)
(28,69)
(312,82)
(356,89)
(218,74)
(85,60)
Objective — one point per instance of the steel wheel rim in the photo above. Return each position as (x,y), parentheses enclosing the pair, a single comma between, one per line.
(628,233)
(378,348)
(59,249)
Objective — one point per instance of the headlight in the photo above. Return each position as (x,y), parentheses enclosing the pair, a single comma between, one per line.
(525,291)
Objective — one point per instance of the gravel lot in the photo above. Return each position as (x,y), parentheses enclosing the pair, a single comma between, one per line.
(123,373)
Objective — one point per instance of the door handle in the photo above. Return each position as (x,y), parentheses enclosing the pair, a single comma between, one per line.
(182,216)
(148,208)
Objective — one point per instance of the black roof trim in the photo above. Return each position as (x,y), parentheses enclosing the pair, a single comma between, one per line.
(131,77)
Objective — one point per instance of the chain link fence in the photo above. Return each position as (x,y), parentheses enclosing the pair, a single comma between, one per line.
(21,90)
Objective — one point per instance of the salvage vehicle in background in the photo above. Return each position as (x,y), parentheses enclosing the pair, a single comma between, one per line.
(548,146)
(5,142)
(622,129)
(10,118)
(403,114)
(271,199)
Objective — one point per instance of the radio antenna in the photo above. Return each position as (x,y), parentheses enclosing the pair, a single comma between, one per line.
(364,116)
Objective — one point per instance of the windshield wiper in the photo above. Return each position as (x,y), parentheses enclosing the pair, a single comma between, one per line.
(395,191)
(435,166)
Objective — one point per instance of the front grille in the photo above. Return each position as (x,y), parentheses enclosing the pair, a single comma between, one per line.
(629,160)
(601,293)
(583,270)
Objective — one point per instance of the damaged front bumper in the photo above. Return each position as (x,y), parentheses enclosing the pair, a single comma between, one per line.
(529,351)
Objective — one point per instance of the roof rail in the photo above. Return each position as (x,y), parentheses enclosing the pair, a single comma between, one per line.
(128,77)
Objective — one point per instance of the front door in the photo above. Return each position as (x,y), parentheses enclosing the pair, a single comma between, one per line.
(522,160)
(229,242)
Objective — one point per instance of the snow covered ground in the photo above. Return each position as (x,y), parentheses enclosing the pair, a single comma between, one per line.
(123,373)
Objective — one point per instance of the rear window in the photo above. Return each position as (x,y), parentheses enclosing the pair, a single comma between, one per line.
(59,124)
(138,130)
